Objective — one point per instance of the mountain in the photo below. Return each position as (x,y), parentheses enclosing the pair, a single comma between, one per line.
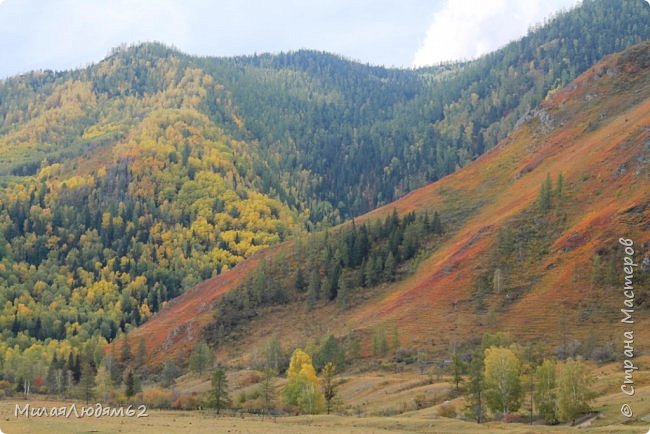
(335,137)
(530,245)
(128,182)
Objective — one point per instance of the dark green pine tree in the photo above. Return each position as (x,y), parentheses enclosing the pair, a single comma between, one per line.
(299,281)
(76,371)
(87,381)
(219,393)
(50,379)
(559,187)
(390,267)
(545,194)
(130,384)
(313,289)
(475,388)
(436,224)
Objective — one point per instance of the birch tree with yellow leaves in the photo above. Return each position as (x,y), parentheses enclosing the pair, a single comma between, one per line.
(303,386)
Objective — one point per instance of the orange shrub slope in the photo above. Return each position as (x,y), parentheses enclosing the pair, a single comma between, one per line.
(179,324)
(595,132)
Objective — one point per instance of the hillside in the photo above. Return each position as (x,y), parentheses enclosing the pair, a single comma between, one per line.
(557,255)
(128,182)
(336,138)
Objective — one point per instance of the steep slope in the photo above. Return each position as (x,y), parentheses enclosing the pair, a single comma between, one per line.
(129,181)
(163,200)
(558,255)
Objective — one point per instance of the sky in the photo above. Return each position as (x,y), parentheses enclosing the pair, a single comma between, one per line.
(64,34)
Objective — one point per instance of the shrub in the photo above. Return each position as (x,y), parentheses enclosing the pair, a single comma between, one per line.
(188,402)
(157,398)
(249,378)
(420,401)
(5,389)
(447,410)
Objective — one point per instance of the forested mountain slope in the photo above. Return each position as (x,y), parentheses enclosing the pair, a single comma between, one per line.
(335,137)
(528,244)
(129,181)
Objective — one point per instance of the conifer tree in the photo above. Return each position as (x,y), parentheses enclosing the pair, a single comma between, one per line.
(559,187)
(343,292)
(395,338)
(545,194)
(266,389)
(329,386)
(457,370)
(50,379)
(379,344)
(200,358)
(299,281)
(219,393)
(436,224)
(130,384)
(87,380)
(126,350)
(475,392)
(140,354)
(313,289)
(390,267)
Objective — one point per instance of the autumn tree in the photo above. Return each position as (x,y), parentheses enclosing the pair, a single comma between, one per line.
(274,354)
(545,394)
(303,386)
(103,383)
(574,390)
(502,382)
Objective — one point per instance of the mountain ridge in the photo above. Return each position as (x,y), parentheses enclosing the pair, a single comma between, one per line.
(130,181)
(505,182)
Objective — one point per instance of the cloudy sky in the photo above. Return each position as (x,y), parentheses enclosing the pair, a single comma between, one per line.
(62,34)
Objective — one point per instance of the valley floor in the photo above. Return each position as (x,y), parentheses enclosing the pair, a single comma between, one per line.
(197,422)
(378,394)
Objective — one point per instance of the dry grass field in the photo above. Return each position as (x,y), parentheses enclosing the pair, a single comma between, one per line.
(376,393)
(200,422)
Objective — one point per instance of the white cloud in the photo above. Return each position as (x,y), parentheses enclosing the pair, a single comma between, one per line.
(466,29)
(71,33)
(61,34)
